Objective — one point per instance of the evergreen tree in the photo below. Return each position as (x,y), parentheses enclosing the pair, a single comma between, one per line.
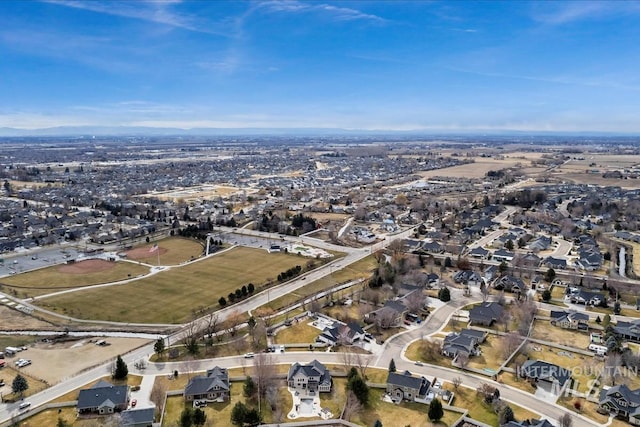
(360,388)
(121,371)
(62,423)
(435,410)
(378,423)
(546,295)
(251,288)
(186,417)
(159,347)
(249,387)
(392,366)
(252,417)
(238,413)
(199,417)
(444,294)
(222,301)
(507,415)
(19,385)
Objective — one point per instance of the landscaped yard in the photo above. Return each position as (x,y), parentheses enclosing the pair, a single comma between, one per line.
(298,333)
(491,356)
(171,296)
(469,399)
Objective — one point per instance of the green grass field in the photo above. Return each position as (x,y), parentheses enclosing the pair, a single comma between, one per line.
(51,279)
(172,296)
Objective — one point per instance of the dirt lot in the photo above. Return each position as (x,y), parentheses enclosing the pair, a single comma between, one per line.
(54,362)
(15,320)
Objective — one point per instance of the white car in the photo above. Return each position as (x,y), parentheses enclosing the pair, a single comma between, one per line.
(24,362)
(248,355)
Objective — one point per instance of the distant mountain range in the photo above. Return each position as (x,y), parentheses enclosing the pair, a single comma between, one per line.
(89,131)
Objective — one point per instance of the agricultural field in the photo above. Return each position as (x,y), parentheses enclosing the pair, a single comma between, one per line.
(482,165)
(172,296)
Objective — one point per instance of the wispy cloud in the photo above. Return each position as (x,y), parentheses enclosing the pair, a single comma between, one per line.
(335,12)
(159,12)
(573,81)
(558,13)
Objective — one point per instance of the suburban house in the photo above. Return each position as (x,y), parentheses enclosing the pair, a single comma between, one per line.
(479,252)
(545,374)
(555,263)
(621,401)
(103,398)
(589,260)
(405,386)
(503,255)
(137,417)
(433,247)
(490,273)
(485,314)
(309,378)
(509,284)
(629,331)
(340,333)
(433,279)
(465,341)
(587,298)
(570,320)
(467,277)
(391,314)
(531,260)
(541,243)
(214,386)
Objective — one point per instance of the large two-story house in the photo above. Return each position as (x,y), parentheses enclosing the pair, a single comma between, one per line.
(485,314)
(309,378)
(621,401)
(214,386)
(570,320)
(465,341)
(405,386)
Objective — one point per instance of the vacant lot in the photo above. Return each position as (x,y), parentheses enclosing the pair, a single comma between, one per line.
(171,296)
(482,165)
(53,362)
(68,276)
(544,330)
(298,333)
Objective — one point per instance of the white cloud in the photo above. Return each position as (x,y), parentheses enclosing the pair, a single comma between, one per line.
(335,12)
(563,12)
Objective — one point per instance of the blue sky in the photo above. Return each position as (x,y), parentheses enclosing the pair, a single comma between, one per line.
(431,66)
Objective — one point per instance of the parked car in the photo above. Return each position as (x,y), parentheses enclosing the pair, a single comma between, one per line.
(248,355)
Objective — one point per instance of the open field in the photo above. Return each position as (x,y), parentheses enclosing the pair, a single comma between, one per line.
(359,270)
(197,192)
(298,333)
(173,251)
(17,320)
(68,276)
(482,165)
(171,296)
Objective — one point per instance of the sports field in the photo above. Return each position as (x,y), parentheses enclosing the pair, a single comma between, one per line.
(173,295)
(171,251)
(67,276)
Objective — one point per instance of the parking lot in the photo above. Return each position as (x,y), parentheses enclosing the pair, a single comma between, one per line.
(15,263)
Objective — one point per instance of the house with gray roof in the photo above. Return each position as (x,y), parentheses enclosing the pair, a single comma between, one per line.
(214,386)
(310,378)
(509,284)
(503,255)
(465,341)
(541,243)
(405,386)
(621,401)
(545,374)
(103,398)
(142,417)
(555,263)
(629,331)
(340,333)
(529,423)
(485,314)
(570,319)
(479,252)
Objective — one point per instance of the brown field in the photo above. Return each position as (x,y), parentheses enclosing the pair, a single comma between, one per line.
(173,251)
(198,192)
(67,276)
(482,165)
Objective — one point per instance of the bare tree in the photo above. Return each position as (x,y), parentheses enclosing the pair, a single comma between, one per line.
(190,338)
(430,350)
(265,313)
(264,372)
(213,323)
(158,393)
(456,382)
(415,301)
(462,359)
(233,321)
(566,420)
(352,406)
(385,318)
(611,369)
(362,361)
(510,343)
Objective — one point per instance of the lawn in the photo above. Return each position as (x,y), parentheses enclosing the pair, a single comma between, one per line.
(358,270)
(220,413)
(491,356)
(469,399)
(297,333)
(544,330)
(173,295)
(51,279)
